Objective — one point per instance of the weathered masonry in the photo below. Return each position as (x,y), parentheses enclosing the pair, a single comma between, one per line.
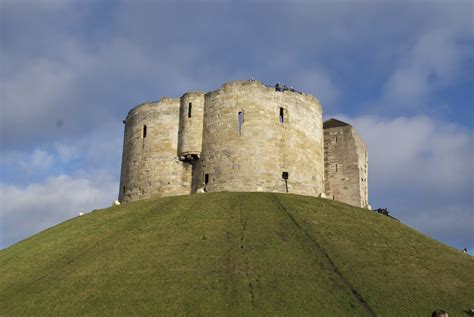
(345,164)
(244,136)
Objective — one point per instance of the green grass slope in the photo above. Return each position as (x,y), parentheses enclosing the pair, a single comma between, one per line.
(234,254)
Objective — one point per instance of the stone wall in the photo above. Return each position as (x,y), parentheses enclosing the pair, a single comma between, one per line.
(345,162)
(253,154)
(150,166)
(363,164)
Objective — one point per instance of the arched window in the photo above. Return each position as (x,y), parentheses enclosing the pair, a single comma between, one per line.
(144,131)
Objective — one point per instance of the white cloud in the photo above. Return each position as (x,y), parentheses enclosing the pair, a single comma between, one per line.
(449,221)
(37,161)
(435,60)
(419,151)
(100,147)
(34,91)
(66,152)
(26,210)
(318,83)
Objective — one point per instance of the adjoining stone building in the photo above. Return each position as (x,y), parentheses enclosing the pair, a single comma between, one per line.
(244,136)
(345,164)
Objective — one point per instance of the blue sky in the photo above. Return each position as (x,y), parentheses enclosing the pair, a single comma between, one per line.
(400,71)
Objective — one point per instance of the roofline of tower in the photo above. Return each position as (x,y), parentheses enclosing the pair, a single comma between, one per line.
(337,124)
(152,103)
(223,86)
(193,93)
(254,81)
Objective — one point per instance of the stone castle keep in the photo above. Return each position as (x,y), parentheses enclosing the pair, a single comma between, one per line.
(244,136)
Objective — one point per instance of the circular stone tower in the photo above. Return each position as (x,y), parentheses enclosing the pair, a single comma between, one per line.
(191,113)
(150,166)
(256,138)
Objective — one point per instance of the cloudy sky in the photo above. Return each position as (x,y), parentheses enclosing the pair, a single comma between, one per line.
(400,71)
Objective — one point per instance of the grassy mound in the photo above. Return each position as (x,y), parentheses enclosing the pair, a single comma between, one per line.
(234,254)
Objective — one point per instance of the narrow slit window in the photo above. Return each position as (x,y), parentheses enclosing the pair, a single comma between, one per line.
(144,131)
(336,139)
(284,175)
(123,190)
(282,115)
(336,167)
(240,121)
(190,109)
(206,179)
